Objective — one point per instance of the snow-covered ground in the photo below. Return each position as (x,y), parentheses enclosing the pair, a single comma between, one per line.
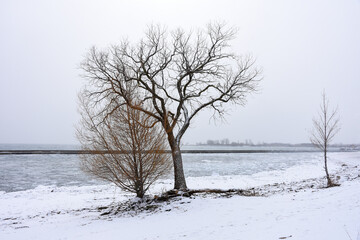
(288,208)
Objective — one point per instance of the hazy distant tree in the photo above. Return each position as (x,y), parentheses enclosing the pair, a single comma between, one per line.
(210,142)
(325,127)
(129,149)
(178,73)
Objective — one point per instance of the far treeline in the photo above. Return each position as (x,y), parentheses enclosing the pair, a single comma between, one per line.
(227,142)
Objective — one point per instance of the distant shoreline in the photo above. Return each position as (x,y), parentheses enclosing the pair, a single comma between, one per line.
(77,152)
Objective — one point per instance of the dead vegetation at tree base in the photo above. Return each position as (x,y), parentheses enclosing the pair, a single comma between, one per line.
(161,203)
(333,185)
(194,192)
(173,199)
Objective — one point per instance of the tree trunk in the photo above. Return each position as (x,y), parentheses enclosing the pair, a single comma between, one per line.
(139,194)
(180,182)
(139,186)
(329,183)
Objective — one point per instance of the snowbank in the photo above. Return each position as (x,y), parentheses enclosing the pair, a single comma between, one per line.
(50,212)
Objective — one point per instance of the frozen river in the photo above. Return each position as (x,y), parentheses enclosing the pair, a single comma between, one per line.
(22,172)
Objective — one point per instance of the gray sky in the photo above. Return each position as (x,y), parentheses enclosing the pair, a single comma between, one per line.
(303,47)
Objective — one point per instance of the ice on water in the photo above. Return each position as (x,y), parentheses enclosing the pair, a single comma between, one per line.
(22,172)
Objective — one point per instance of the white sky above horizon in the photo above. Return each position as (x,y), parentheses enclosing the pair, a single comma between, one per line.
(303,47)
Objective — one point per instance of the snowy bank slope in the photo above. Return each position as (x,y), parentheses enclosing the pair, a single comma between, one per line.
(307,213)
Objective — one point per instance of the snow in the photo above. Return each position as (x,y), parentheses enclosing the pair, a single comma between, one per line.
(287,209)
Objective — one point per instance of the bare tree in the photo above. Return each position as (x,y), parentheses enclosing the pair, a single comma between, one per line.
(178,73)
(325,127)
(129,150)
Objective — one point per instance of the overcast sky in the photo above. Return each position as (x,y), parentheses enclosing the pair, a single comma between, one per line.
(303,47)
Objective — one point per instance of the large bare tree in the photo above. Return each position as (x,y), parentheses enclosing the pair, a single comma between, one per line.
(127,149)
(325,127)
(178,73)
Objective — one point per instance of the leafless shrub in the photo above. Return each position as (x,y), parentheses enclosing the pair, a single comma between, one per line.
(128,150)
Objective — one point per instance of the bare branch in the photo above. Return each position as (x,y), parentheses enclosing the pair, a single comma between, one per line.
(174,75)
